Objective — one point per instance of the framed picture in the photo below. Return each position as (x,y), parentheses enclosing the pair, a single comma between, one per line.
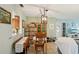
(23,24)
(5,16)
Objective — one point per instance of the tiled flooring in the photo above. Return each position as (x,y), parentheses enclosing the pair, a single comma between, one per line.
(51,49)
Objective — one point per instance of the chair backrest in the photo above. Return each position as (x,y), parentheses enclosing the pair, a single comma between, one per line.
(40,35)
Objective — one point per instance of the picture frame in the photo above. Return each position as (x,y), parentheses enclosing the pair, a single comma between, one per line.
(5,16)
(23,23)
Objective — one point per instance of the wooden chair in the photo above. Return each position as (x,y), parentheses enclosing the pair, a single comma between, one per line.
(40,41)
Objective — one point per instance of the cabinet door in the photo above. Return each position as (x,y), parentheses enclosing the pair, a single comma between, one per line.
(39,28)
(43,28)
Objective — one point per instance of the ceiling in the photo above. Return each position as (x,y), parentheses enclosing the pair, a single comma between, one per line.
(61,11)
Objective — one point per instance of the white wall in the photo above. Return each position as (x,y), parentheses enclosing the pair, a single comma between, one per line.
(32,19)
(56,29)
(15,10)
(5,42)
(51,29)
(6,38)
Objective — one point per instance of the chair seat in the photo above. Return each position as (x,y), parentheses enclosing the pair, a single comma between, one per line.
(39,46)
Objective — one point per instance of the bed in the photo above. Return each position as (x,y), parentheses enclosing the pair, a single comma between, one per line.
(77,41)
(67,45)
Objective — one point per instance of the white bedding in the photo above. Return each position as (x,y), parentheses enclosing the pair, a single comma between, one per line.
(67,45)
(20,45)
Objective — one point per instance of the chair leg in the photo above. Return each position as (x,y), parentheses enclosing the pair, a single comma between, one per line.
(25,50)
(36,49)
(43,49)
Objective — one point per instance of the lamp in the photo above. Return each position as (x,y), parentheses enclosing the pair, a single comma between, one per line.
(15,23)
(44,18)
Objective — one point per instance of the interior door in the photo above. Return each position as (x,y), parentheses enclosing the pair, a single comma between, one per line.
(5,38)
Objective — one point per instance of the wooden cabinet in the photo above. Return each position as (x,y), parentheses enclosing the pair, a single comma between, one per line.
(41,28)
(31,30)
(38,27)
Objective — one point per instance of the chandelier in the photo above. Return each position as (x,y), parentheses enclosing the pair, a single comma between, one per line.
(43,15)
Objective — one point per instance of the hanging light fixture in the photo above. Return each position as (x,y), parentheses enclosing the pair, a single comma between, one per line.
(43,15)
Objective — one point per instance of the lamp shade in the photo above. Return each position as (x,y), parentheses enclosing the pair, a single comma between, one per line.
(16,22)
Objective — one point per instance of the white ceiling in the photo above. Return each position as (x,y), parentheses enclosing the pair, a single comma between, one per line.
(61,11)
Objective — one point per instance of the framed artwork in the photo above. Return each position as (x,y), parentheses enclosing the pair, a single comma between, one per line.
(23,23)
(5,16)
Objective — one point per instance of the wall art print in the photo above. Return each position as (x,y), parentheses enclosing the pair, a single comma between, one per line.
(5,16)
